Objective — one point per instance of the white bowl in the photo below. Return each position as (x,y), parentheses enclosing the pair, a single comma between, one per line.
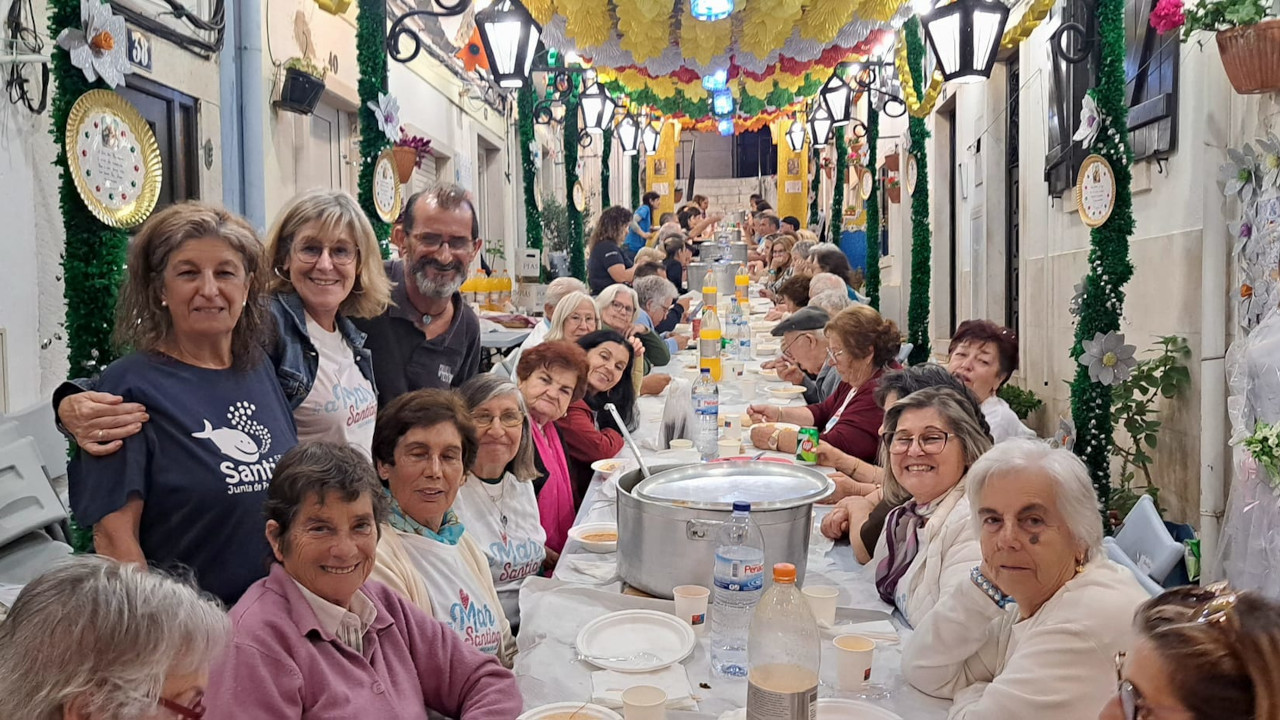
(785,390)
(581,533)
(567,710)
(767,348)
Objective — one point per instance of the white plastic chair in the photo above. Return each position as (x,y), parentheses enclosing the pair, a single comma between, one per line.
(39,423)
(904,352)
(1120,558)
(28,505)
(1145,540)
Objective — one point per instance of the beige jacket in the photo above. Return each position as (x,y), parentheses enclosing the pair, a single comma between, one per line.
(949,551)
(395,569)
(1055,665)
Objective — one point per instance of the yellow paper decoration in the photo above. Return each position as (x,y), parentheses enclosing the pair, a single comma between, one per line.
(702,41)
(879,10)
(588,21)
(644,26)
(1030,20)
(766,24)
(541,10)
(915,106)
(823,19)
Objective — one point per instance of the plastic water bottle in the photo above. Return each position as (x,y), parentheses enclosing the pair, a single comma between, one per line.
(739,581)
(733,331)
(706,405)
(784,652)
(744,331)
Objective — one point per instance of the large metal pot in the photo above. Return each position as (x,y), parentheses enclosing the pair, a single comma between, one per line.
(667,524)
(725,273)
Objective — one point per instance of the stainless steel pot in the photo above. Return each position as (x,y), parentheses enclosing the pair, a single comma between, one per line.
(667,524)
(697,271)
(724,278)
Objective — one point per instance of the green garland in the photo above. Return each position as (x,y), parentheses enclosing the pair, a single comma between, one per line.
(577,258)
(605,153)
(371,60)
(1109,266)
(835,218)
(815,183)
(679,104)
(93,253)
(921,233)
(532,213)
(873,209)
(635,181)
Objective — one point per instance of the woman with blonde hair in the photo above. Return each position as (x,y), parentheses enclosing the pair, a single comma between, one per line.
(575,317)
(778,267)
(1202,653)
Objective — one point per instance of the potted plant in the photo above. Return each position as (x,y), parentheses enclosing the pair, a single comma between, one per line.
(1248,41)
(894,188)
(410,151)
(303,86)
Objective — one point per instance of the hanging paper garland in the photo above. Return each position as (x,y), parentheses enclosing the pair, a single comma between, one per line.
(1030,20)
(577,258)
(873,208)
(1109,267)
(835,217)
(532,213)
(605,154)
(921,233)
(371,60)
(910,84)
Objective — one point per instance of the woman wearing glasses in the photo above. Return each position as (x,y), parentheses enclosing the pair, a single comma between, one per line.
(496,502)
(932,438)
(1034,629)
(861,346)
(325,268)
(1201,654)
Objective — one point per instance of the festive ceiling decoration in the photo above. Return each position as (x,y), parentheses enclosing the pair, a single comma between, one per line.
(759,102)
(915,106)
(472,54)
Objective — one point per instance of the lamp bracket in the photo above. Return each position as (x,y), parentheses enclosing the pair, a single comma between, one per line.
(1074,42)
(400,27)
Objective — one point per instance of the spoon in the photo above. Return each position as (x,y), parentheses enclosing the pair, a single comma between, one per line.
(626,435)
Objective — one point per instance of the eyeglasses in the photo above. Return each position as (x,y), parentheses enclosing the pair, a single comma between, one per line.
(1131,701)
(931,443)
(339,254)
(834,354)
(622,308)
(787,348)
(195,712)
(510,419)
(431,242)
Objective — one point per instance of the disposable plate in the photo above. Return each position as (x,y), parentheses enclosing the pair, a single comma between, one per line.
(635,641)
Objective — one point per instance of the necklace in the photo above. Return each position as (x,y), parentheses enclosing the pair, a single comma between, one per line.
(497,501)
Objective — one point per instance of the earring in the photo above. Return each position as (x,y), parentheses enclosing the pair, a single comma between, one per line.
(279,274)
(164,303)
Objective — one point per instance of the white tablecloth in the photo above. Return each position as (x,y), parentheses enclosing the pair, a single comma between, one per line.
(586,585)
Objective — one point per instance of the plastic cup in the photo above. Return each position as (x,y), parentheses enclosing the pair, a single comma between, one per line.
(822,601)
(729,447)
(681,444)
(691,605)
(748,387)
(853,661)
(644,702)
(734,369)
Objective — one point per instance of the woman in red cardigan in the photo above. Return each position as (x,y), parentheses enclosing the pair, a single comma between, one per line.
(588,431)
(861,345)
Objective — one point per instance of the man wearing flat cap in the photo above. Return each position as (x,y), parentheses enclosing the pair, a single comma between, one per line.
(804,354)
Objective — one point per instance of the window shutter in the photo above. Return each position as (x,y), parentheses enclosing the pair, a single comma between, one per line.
(1151,66)
(1068,83)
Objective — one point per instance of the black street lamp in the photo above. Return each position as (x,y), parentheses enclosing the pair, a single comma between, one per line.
(820,125)
(796,134)
(837,97)
(510,36)
(965,36)
(597,108)
(628,132)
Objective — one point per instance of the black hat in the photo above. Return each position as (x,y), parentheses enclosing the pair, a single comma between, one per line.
(806,318)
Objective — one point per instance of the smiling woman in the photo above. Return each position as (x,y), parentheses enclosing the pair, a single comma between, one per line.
(589,432)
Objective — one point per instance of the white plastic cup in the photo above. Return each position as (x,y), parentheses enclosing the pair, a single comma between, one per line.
(734,369)
(853,661)
(730,447)
(681,444)
(691,605)
(822,601)
(644,702)
(748,387)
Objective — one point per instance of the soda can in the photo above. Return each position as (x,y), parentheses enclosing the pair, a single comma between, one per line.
(807,445)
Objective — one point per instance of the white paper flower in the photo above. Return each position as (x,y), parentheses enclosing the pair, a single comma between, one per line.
(1077,299)
(98,46)
(1269,160)
(1109,360)
(387,110)
(1090,123)
(1239,174)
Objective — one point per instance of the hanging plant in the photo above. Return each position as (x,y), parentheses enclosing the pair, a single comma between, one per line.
(921,233)
(1247,40)
(302,87)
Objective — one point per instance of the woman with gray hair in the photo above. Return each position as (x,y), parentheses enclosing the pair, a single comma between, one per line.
(496,502)
(1034,630)
(96,639)
(932,438)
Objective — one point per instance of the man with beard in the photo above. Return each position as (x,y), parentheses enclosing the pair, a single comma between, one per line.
(428,337)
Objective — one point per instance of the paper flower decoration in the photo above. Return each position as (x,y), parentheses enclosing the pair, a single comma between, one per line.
(1109,360)
(1167,16)
(387,110)
(1077,299)
(1239,174)
(1269,161)
(472,54)
(1090,123)
(98,46)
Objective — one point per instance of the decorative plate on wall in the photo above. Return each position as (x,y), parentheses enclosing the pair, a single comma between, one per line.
(386,187)
(113,158)
(913,174)
(864,183)
(1095,190)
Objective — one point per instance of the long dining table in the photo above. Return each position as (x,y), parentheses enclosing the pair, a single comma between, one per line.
(586,585)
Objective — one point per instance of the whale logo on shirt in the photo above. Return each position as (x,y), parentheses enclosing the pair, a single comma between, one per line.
(230,442)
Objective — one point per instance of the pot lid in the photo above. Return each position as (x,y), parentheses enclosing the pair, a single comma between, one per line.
(715,486)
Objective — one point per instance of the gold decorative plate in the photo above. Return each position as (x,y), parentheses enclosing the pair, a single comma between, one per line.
(113,158)
(913,174)
(864,183)
(1095,191)
(386,187)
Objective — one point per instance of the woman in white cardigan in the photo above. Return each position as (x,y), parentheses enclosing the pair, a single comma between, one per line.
(1033,633)
(423,445)
(932,437)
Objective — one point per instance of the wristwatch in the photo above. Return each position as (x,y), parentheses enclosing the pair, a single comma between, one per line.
(773,438)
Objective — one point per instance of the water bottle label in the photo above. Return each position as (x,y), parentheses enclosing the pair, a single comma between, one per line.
(742,575)
(708,407)
(770,703)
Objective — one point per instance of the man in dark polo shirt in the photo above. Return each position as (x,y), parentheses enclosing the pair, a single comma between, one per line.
(428,337)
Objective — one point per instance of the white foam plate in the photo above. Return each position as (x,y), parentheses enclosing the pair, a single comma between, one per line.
(570,711)
(609,465)
(786,390)
(596,546)
(627,633)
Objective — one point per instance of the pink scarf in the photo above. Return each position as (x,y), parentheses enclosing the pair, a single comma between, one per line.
(555,502)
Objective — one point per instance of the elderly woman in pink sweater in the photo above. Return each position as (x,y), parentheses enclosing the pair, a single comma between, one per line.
(315,640)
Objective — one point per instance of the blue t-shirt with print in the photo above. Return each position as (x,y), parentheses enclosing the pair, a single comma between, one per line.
(201,466)
(643,218)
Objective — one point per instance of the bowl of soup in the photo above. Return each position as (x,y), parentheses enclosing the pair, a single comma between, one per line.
(598,537)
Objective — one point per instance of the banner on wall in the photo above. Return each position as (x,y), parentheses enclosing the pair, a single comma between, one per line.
(793,173)
(661,167)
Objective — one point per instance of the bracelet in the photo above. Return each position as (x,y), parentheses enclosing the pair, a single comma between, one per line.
(1000,599)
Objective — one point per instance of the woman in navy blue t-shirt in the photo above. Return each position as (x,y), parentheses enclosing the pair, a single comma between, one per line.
(188,490)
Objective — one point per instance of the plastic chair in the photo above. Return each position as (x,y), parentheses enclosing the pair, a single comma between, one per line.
(904,352)
(1119,557)
(38,422)
(1146,542)
(28,504)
